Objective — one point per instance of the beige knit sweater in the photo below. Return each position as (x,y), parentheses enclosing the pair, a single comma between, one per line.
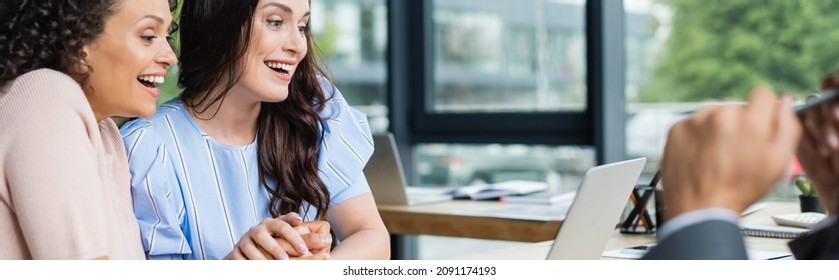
(64,180)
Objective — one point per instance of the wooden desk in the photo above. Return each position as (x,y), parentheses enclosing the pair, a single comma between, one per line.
(443,219)
(538,251)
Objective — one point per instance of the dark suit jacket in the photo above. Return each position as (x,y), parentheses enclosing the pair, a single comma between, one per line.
(709,240)
(821,243)
(723,241)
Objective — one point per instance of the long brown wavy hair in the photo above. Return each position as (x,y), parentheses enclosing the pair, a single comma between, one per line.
(215,36)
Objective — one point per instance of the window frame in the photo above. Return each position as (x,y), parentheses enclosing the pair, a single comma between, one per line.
(410,83)
(411,72)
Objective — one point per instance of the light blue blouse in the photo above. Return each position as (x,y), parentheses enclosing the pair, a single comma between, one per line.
(195,197)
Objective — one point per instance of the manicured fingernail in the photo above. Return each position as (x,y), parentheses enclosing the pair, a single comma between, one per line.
(282,256)
(302,248)
(294,216)
(325,241)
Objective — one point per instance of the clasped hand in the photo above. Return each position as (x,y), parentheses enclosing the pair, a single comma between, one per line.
(282,238)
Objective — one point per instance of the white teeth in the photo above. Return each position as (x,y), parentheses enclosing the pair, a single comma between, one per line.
(152,79)
(283,66)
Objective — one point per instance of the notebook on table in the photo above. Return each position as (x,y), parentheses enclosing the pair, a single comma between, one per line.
(499,190)
(765,227)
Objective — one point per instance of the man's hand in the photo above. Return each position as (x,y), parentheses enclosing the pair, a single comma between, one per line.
(818,152)
(728,156)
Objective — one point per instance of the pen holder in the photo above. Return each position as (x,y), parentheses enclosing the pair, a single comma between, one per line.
(658,198)
(639,220)
(810,204)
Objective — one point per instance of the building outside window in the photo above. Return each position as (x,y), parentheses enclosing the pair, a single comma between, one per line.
(682,55)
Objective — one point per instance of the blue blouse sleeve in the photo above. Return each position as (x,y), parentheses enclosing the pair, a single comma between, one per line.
(346,147)
(157,203)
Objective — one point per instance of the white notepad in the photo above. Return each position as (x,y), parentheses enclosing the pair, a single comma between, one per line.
(765,227)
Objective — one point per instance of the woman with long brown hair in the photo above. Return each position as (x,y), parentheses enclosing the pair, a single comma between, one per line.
(258,135)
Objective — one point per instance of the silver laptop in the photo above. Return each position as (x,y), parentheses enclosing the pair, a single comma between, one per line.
(387,179)
(596,210)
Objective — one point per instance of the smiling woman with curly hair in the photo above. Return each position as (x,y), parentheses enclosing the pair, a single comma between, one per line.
(66,67)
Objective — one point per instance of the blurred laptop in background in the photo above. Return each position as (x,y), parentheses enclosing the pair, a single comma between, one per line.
(387,179)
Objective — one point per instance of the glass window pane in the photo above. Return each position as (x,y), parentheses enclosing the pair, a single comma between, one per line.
(682,55)
(352,36)
(562,167)
(509,56)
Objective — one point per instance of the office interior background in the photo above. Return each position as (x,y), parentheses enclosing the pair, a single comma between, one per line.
(494,90)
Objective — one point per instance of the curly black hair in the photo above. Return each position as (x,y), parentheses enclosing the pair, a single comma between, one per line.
(49,34)
(37,34)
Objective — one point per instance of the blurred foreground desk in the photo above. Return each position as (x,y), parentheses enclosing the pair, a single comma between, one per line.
(447,219)
(539,251)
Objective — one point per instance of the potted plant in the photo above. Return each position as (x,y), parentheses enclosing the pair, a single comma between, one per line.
(809,197)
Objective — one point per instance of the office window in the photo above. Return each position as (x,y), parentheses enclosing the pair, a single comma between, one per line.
(493,57)
(682,55)
(508,56)
(562,167)
(352,36)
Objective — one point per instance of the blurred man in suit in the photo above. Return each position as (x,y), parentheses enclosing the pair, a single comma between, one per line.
(721,160)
